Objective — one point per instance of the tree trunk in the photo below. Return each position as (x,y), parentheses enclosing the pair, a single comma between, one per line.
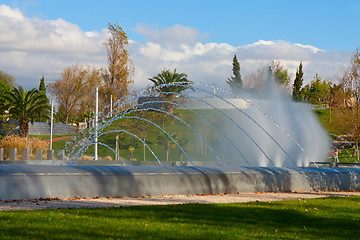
(67,118)
(181,157)
(167,152)
(24,129)
(144,149)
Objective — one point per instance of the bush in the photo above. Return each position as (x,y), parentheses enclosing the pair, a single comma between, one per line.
(37,143)
(14,141)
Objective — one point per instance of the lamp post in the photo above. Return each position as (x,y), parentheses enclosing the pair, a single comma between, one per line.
(51,123)
(96,122)
(111,105)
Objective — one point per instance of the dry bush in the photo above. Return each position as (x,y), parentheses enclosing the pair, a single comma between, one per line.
(37,143)
(86,157)
(14,141)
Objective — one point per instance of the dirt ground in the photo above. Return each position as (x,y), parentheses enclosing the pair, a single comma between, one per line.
(103,202)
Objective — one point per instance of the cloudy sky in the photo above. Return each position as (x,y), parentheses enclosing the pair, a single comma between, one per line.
(42,37)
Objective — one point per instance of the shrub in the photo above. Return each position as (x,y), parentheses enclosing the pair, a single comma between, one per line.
(86,157)
(37,143)
(14,141)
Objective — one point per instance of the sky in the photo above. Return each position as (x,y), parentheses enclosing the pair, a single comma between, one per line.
(42,37)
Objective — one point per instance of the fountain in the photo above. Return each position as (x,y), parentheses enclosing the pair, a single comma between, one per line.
(214,142)
(266,130)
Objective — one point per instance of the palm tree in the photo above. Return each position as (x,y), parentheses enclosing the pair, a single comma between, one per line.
(171,82)
(25,106)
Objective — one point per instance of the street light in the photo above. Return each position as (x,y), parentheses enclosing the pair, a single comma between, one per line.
(51,123)
(96,122)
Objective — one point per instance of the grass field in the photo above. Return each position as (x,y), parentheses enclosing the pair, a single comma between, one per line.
(324,218)
(57,145)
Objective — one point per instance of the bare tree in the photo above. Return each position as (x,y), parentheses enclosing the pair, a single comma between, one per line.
(351,76)
(349,112)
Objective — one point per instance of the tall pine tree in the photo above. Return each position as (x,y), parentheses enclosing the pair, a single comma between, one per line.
(42,86)
(298,83)
(42,117)
(235,82)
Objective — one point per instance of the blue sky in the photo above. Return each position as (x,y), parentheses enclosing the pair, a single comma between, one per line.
(198,37)
(329,25)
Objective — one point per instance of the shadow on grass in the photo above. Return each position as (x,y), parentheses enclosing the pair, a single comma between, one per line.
(330,218)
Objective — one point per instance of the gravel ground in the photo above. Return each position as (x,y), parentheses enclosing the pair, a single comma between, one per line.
(102,202)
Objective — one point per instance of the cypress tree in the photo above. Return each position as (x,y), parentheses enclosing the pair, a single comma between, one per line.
(42,117)
(235,82)
(298,83)
(42,86)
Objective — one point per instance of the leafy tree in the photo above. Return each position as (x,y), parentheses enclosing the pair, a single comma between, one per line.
(338,95)
(7,78)
(6,83)
(347,120)
(116,77)
(167,82)
(4,87)
(260,79)
(24,106)
(235,82)
(317,91)
(281,75)
(298,83)
(72,90)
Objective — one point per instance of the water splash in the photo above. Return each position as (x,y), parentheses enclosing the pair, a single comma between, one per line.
(251,130)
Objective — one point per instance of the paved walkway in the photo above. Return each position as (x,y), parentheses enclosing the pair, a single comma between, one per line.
(163,200)
(58,139)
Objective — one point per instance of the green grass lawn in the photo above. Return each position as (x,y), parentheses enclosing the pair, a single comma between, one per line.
(58,145)
(324,218)
(324,117)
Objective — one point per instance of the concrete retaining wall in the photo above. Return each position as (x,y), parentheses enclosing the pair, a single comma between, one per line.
(31,181)
(41,128)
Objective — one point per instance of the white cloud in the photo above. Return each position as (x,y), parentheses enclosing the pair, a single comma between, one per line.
(261,42)
(32,47)
(173,36)
(10,13)
(212,62)
(312,48)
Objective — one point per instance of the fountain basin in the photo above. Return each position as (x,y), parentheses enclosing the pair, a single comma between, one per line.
(26,182)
